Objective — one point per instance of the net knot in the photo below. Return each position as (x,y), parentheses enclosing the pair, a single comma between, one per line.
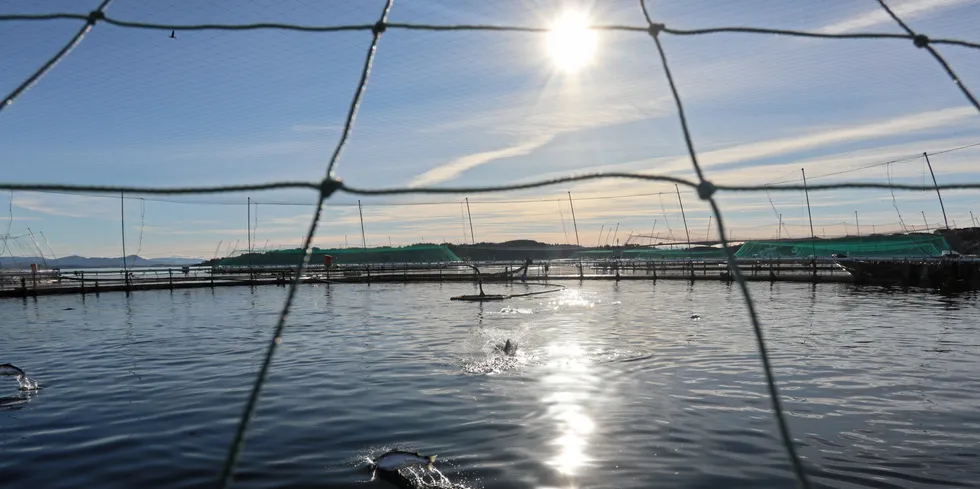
(706,189)
(920,40)
(328,186)
(655,29)
(95,16)
(379,28)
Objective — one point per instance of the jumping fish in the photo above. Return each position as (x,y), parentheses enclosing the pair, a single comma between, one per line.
(388,467)
(12,371)
(24,382)
(508,348)
(396,459)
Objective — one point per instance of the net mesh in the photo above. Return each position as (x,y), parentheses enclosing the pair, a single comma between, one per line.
(331,185)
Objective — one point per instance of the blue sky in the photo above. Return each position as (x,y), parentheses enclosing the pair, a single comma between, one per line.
(135,107)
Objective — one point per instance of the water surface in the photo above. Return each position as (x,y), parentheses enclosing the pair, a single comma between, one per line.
(614,386)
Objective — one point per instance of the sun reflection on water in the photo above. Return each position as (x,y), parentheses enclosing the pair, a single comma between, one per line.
(571,299)
(567,395)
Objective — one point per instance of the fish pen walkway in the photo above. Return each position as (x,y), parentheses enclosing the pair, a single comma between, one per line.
(52,282)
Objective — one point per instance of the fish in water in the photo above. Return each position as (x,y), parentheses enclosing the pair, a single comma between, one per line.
(387,466)
(23,381)
(10,370)
(509,348)
(397,459)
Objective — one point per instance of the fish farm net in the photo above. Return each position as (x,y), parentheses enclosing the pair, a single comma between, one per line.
(330,184)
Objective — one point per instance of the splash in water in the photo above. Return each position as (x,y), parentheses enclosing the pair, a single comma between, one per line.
(515,310)
(497,351)
(494,364)
(418,473)
(24,382)
(430,478)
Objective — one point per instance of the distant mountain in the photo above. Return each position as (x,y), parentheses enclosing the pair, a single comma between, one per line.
(75,261)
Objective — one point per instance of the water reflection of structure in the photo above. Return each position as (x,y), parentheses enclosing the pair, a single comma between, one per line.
(949,273)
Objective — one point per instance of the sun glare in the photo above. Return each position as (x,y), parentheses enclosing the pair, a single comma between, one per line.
(571,43)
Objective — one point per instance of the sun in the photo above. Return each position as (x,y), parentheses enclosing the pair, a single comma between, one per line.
(571,43)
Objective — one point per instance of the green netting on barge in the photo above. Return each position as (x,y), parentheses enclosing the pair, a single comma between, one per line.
(895,246)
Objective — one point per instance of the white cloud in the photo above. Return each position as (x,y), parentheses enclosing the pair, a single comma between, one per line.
(907,11)
(454,168)
(64,205)
(536,120)
(806,140)
(907,124)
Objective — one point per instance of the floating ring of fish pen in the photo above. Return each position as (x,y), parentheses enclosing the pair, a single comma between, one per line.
(479,298)
(499,297)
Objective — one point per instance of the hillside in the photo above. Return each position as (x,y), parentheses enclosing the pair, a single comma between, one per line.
(75,261)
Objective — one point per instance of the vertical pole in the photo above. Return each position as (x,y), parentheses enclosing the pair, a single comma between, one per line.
(615,234)
(575,224)
(972,219)
(248,231)
(683,216)
(462,214)
(55,257)
(813,239)
(779,232)
(599,241)
(856,221)
(561,215)
(707,235)
(472,237)
(361,213)
(807,193)
(38,247)
(927,222)
(122,224)
(941,206)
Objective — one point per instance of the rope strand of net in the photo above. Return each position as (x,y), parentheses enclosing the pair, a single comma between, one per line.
(477,27)
(706,191)
(90,20)
(921,41)
(341,187)
(325,192)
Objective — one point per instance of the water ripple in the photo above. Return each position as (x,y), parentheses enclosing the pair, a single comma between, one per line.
(613,386)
